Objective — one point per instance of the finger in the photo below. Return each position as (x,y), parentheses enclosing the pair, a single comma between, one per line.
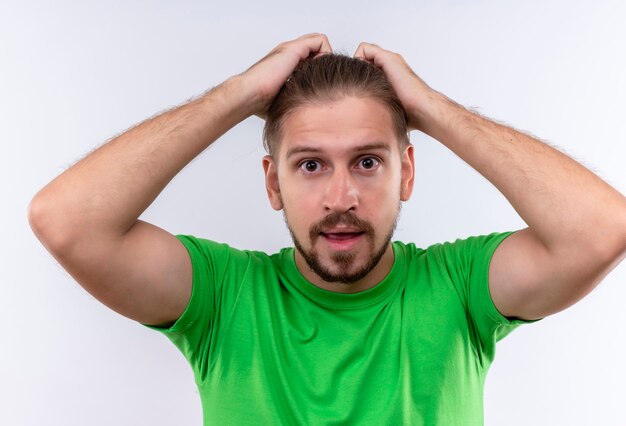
(367,51)
(315,44)
(319,37)
(324,47)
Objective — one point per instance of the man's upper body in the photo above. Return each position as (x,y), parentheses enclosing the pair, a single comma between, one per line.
(267,346)
(339,168)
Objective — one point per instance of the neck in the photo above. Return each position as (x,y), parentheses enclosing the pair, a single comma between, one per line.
(374,277)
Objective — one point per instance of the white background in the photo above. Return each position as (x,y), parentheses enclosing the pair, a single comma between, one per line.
(74,74)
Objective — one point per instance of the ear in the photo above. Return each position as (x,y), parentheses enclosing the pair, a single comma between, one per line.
(408,173)
(271,183)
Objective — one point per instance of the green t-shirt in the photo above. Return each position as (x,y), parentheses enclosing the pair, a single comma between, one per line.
(268,347)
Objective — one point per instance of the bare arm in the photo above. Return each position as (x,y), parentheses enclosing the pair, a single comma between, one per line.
(88,216)
(576,222)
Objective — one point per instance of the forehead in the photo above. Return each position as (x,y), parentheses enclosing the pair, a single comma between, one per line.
(338,126)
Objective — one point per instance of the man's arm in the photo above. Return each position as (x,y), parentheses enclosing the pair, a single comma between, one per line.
(88,216)
(576,222)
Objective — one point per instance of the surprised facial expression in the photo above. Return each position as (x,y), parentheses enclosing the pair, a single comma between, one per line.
(340,176)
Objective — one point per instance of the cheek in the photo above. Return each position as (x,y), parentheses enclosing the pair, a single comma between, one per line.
(300,195)
(300,207)
(299,199)
(384,190)
(382,203)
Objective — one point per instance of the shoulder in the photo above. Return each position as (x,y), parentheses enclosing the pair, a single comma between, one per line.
(466,243)
(460,252)
(204,250)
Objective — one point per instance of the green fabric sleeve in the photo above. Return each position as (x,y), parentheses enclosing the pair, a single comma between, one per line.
(193,332)
(467,261)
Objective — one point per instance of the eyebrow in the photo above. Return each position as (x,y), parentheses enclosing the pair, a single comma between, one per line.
(367,147)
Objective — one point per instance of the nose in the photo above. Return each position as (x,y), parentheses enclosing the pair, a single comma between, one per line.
(341,193)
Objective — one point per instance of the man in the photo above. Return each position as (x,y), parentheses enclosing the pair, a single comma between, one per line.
(348,327)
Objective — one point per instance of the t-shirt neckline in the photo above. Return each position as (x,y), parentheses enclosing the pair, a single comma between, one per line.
(335,300)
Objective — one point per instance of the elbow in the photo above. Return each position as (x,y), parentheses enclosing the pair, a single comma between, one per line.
(617,250)
(610,239)
(620,253)
(610,251)
(622,246)
(47,225)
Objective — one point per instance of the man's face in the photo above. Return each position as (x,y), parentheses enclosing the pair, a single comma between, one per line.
(339,177)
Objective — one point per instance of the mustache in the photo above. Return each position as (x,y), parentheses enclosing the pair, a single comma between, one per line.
(337,218)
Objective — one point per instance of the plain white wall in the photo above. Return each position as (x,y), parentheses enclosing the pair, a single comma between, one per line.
(75,74)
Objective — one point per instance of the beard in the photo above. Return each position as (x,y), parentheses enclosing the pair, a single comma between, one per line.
(346,271)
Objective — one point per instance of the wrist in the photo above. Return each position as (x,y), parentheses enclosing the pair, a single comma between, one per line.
(434,113)
(236,95)
(247,94)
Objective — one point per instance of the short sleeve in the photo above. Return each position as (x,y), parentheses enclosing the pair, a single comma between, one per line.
(467,262)
(193,332)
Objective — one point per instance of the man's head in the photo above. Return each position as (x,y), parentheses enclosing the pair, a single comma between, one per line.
(340,164)
(327,78)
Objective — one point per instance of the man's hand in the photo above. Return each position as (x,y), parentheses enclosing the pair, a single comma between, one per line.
(91,211)
(576,228)
(267,76)
(416,96)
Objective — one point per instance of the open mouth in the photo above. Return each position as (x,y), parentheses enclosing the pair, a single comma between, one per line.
(341,236)
(342,241)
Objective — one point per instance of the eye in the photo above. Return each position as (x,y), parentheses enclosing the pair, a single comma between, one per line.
(309,166)
(369,163)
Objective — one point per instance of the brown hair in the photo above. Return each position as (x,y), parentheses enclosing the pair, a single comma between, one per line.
(328,78)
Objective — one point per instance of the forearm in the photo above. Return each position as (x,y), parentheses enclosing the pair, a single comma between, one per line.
(564,203)
(104,193)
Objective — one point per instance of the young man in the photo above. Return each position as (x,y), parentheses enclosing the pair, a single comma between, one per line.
(348,327)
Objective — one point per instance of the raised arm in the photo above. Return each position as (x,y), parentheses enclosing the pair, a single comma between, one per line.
(576,222)
(87,217)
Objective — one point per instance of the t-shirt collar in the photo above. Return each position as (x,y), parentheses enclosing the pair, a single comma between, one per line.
(335,300)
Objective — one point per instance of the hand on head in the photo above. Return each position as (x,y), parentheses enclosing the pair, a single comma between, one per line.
(268,75)
(413,92)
